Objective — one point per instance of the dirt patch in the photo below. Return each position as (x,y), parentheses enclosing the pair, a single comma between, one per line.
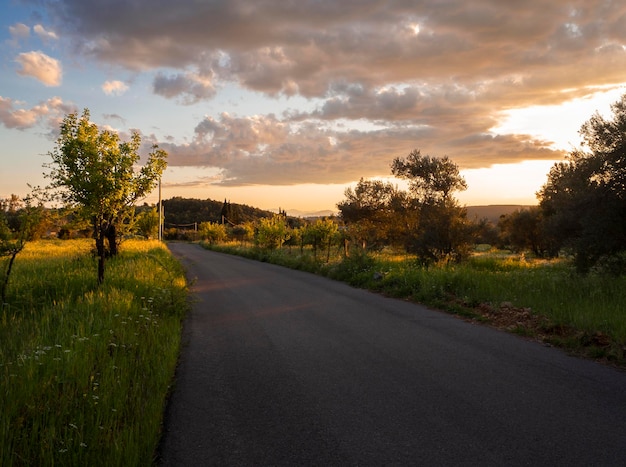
(524,322)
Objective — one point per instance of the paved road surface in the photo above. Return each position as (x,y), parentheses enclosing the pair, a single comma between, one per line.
(281,367)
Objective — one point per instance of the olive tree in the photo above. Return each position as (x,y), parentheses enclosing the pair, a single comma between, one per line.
(584,199)
(443,231)
(374,213)
(95,172)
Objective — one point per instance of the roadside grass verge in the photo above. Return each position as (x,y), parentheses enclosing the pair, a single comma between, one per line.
(544,300)
(85,371)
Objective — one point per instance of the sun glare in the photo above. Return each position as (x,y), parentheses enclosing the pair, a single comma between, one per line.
(558,124)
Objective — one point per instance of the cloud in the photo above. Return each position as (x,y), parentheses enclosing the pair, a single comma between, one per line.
(19,31)
(45,35)
(48,113)
(190,88)
(382,76)
(266,150)
(41,67)
(272,46)
(114,88)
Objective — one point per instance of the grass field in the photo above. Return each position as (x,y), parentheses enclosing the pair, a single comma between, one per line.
(85,371)
(540,299)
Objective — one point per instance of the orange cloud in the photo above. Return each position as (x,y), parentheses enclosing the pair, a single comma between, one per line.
(41,67)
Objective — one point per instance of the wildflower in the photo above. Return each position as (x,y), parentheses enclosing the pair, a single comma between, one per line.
(83,445)
(73,426)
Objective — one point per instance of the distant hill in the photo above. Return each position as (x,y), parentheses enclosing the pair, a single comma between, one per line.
(308,214)
(492,212)
(184,211)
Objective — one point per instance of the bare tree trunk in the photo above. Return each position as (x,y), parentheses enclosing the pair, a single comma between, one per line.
(111,234)
(8,273)
(100,252)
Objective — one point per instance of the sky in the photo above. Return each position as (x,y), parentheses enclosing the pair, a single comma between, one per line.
(285,103)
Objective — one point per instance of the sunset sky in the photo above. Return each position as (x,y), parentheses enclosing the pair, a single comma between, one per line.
(285,103)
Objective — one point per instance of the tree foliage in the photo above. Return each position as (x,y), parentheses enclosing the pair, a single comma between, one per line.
(95,172)
(147,223)
(371,212)
(320,234)
(212,232)
(584,199)
(443,231)
(19,223)
(431,179)
(524,229)
(427,220)
(272,232)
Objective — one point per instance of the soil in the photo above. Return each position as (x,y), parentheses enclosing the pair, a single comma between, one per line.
(524,322)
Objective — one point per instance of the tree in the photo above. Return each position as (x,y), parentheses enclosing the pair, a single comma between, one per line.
(272,232)
(584,199)
(212,232)
(430,179)
(523,230)
(371,212)
(243,232)
(148,223)
(320,234)
(95,172)
(443,231)
(14,235)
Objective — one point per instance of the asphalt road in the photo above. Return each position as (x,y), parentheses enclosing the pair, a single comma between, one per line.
(281,367)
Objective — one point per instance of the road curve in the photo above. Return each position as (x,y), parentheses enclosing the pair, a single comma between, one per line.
(281,367)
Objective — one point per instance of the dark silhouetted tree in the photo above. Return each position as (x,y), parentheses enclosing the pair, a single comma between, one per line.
(443,231)
(584,199)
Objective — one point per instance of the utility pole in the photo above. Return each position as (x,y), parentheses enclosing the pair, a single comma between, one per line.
(160,213)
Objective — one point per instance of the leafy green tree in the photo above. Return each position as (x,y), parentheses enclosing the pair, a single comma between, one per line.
(25,225)
(243,232)
(443,231)
(371,213)
(272,232)
(147,223)
(212,232)
(95,172)
(584,199)
(320,234)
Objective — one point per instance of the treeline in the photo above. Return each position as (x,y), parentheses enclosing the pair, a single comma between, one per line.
(180,211)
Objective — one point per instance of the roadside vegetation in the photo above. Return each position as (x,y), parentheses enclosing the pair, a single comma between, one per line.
(85,369)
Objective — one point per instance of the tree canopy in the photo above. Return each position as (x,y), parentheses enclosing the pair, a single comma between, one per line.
(95,172)
(430,178)
(426,220)
(584,199)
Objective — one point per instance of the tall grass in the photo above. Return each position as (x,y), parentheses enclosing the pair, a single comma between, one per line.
(589,304)
(85,371)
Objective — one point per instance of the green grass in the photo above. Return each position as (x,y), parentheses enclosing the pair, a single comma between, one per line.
(85,371)
(582,307)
